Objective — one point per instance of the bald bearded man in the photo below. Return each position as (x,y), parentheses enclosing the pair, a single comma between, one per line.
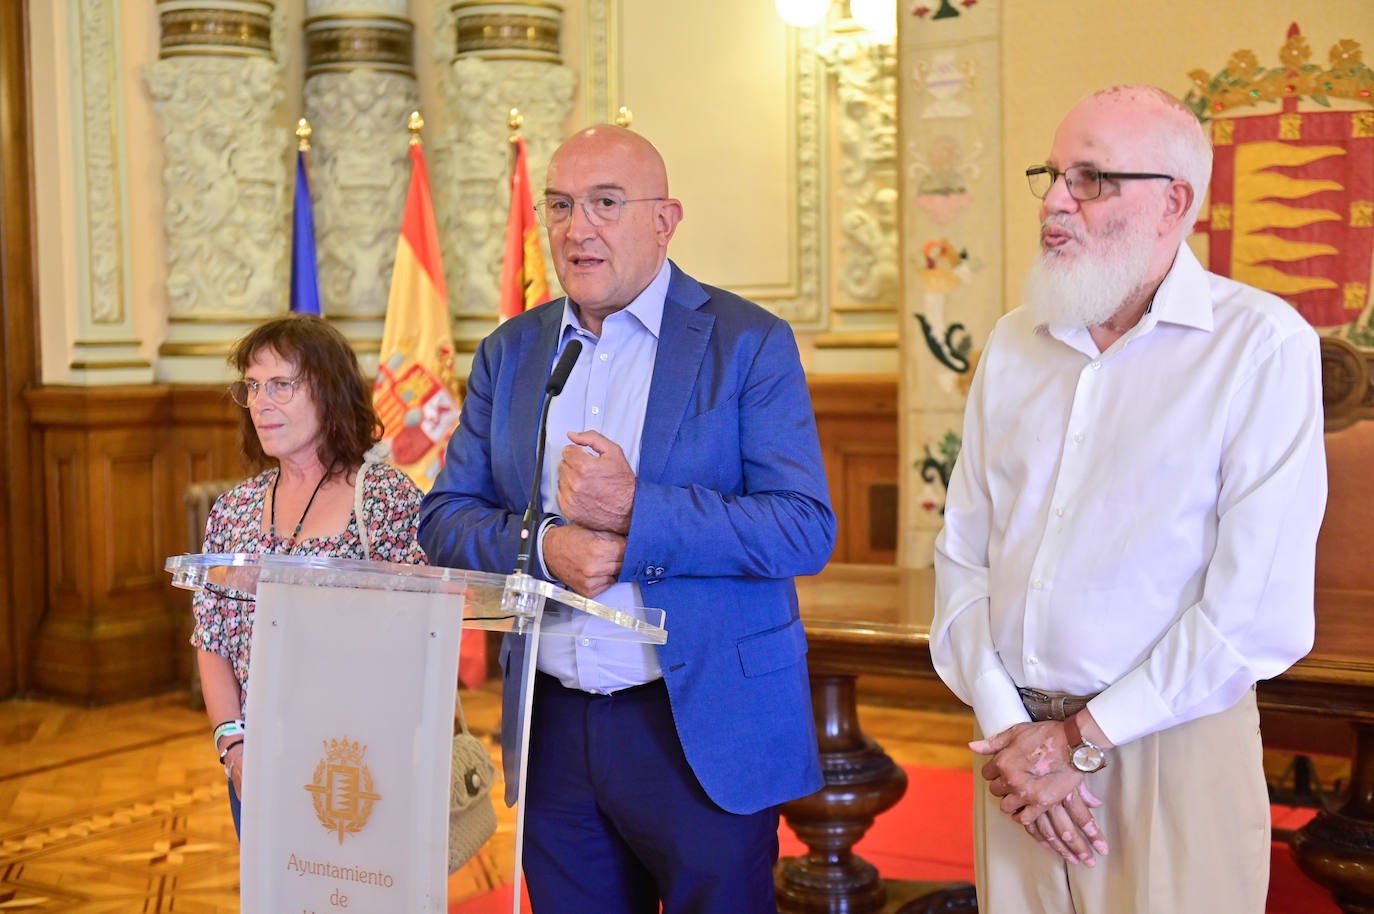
(688,478)
(1129,539)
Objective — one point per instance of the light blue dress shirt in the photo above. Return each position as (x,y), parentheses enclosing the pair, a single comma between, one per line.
(607,392)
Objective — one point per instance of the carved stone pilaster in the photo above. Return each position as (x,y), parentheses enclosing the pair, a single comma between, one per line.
(805,304)
(359,90)
(504,56)
(215,89)
(864,71)
(106,348)
(861,190)
(601,92)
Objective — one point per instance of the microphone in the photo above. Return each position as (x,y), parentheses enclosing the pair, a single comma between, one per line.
(557,378)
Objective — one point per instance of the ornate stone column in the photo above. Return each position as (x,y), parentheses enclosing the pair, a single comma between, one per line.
(359,90)
(216,89)
(505,55)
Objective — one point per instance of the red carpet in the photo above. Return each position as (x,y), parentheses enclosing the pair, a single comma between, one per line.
(928,837)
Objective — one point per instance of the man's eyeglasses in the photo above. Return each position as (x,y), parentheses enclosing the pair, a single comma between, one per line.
(602,209)
(278,390)
(1084,183)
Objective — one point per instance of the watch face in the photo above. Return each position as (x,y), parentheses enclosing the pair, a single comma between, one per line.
(1088,758)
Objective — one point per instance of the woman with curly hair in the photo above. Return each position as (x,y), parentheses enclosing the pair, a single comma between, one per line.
(306,431)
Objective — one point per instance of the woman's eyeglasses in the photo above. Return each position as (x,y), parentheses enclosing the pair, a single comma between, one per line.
(279,390)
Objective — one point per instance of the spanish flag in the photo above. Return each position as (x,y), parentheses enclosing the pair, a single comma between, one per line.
(415,390)
(414,394)
(523,281)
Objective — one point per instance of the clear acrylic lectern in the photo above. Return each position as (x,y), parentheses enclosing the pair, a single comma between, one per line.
(354,667)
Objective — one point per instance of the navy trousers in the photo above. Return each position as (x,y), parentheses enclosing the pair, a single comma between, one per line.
(616,822)
(235,809)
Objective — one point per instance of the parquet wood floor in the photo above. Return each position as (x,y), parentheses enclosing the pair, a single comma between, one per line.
(122,808)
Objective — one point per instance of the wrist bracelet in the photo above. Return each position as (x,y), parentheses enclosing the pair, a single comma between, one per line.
(228,728)
(225,750)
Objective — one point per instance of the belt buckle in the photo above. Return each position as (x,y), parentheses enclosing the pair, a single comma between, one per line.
(1035,695)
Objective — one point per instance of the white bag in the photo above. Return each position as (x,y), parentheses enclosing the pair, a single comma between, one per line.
(471,815)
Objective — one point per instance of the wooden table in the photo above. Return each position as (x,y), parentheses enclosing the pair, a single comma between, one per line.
(875,619)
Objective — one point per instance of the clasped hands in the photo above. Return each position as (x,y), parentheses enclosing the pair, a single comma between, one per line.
(596,494)
(1029,772)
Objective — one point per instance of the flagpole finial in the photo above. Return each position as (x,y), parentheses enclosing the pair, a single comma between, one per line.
(303,133)
(624,117)
(515,120)
(415,125)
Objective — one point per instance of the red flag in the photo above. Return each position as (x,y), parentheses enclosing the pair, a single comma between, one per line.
(523,281)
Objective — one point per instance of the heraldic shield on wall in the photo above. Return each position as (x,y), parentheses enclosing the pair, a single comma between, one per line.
(1291,209)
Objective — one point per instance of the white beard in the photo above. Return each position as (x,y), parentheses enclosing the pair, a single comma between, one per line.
(1087,290)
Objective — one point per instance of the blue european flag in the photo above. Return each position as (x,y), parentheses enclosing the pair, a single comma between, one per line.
(305,283)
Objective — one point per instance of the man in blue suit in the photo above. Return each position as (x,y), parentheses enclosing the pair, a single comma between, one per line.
(688,477)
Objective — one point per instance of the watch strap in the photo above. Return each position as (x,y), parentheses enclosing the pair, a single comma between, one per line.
(1073,731)
(1078,743)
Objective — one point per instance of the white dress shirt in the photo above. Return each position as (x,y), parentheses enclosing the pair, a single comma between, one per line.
(607,392)
(1139,522)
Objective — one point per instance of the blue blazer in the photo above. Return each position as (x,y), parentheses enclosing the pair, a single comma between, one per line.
(731,503)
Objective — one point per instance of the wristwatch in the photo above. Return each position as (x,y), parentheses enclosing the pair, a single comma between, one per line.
(1083,754)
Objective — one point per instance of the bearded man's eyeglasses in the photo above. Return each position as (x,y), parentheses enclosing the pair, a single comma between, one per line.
(602,209)
(1084,183)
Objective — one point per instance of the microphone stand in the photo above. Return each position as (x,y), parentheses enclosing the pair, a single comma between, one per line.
(533,511)
(528,602)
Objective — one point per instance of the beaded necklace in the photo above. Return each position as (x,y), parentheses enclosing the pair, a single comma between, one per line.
(272,521)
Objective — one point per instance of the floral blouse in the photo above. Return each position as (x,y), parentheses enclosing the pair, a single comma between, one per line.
(224,618)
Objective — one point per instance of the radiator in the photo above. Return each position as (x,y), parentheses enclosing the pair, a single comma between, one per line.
(199,498)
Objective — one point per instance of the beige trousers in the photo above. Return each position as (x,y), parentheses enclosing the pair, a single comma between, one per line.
(1186,816)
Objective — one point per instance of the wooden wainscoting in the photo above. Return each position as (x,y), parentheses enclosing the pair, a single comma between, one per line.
(856,416)
(115,461)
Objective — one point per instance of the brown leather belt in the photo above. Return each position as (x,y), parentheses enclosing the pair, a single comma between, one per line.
(1041,705)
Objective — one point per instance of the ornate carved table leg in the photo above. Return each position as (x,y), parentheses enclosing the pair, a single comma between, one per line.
(1337,849)
(861,781)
